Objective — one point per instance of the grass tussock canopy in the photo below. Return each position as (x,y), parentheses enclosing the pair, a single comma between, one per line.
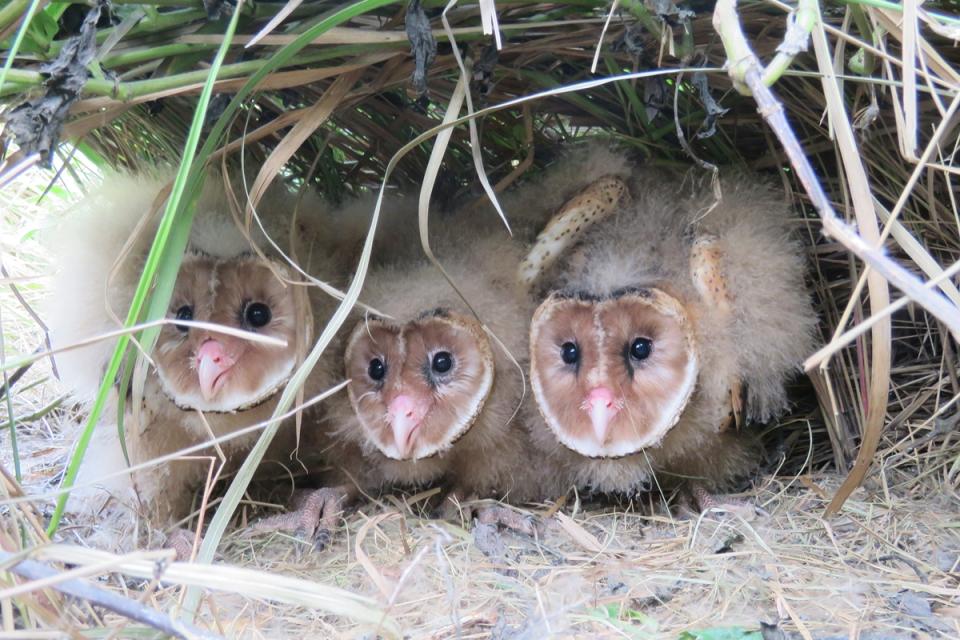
(859,127)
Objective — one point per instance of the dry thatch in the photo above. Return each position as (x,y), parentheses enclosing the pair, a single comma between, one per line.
(873,106)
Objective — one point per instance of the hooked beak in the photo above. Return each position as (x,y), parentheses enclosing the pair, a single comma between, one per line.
(213,363)
(405,417)
(602,408)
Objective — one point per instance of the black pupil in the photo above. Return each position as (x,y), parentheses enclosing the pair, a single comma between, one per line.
(184,313)
(640,349)
(257,314)
(569,352)
(376,370)
(442,362)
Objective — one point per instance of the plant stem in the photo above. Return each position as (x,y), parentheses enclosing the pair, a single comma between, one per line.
(866,31)
(196,4)
(750,76)
(88,591)
(11,12)
(167,223)
(218,524)
(21,32)
(896,6)
(795,41)
(129,90)
(15,450)
(137,56)
(161,22)
(548,81)
(30,417)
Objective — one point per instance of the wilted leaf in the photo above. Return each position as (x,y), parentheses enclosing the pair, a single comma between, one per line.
(217,9)
(714,111)
(36,124)
(422,44)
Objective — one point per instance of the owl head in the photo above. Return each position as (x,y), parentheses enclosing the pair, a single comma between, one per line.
(417,387)
(612,374)
(210,371)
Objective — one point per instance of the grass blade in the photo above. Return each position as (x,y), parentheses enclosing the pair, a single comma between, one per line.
(17,41)
(170,262)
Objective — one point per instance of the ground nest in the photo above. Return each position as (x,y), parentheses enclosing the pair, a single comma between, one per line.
(850,528)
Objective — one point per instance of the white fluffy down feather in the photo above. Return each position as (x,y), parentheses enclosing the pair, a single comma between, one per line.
(220,279)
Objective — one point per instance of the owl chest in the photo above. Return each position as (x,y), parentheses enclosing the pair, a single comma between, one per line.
(413,473)
(160,417)
(630,474)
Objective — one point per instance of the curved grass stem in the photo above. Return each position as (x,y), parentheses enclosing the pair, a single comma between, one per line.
(11,12)
(747,71)
(167,225)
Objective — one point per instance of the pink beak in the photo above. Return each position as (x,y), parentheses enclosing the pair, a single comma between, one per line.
(602,408)
(405,416)
(212,363)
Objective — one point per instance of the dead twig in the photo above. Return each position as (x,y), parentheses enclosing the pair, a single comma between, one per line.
(747,69)
(33,570)
(749,77)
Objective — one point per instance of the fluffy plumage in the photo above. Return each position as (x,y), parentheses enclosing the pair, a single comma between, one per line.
(204,383)
(432,397)
(663,351)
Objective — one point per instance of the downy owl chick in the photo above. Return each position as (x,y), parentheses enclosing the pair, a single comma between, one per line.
(432,394)
(669,322)
(433,398)
(202,383)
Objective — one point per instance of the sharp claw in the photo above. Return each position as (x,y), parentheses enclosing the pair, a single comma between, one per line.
(322,539)
(181,541)
(703,500)
(509,519)
(314,521)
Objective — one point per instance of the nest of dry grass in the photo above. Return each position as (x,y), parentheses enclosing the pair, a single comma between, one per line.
(333,97)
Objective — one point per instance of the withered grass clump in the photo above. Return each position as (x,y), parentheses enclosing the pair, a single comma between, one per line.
(326,98)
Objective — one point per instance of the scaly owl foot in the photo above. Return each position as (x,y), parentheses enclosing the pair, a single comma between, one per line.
(315,516)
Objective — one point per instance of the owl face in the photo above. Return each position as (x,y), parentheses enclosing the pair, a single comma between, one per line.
(612,375)
(419,386)
(200,369)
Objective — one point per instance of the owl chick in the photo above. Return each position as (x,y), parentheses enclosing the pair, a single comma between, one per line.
(203,383)
(434,392)
(658,319)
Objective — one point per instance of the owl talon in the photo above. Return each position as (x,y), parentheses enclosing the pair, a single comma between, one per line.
(315,515)
(447,510)
(454,507)
(703,501)
(487,538)
(508,518)
(181,541)
(486,533)
(322,539)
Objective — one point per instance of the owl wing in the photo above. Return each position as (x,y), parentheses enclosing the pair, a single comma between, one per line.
(706,271)
(590,205)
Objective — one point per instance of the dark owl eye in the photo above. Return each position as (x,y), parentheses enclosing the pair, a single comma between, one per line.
(570,352)
(184,313)
(377,369)
(641,348)
(442,361)
(257,314)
